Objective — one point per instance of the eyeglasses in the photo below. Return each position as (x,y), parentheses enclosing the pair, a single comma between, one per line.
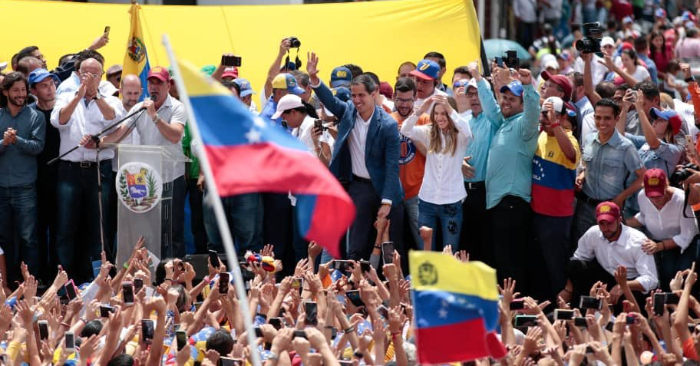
(89,73)
(471,94)
(404,101)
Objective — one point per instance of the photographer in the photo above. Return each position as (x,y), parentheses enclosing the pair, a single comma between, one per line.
(670,224)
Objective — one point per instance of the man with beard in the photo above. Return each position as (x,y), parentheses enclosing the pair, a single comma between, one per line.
(42,84)
(23,130)
(606,251)
(474,234)
(162,124)
(412,154)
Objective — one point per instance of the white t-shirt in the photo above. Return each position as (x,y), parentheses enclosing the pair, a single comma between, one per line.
(641,74)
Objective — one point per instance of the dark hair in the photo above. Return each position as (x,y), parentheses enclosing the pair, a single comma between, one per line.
(367,81)
(462,70)
(612,24)
(93,327)
(606,102)
(302,78)
(86,54)
(692,32)
(575,27)
(673,66)
(220,341)
(306,108)
(641,44)
(622,87)
(183,297)
(354,70)
(632,54)
(577,76)
(66,58)
(606,89)
(374,77)
(26,51)
(9,80)
(652,48)
(160,271)
(405,85)
(439,56)
(404,64)
(121,360)
(649,89)
(231,84)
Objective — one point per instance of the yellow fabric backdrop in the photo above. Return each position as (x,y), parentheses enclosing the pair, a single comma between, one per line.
(378,36)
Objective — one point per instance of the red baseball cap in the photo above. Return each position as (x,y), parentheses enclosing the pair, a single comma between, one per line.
(654,183)
(562,81)
(230,72)
(607,211)
(159,73)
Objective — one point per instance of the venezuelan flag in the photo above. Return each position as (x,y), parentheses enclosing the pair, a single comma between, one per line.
(455,306)
(248,154)
(136,57)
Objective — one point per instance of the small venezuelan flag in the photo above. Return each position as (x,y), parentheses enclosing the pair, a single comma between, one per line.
(136,57)
(455,306)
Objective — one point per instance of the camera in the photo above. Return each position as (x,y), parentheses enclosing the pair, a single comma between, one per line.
(592,34)
(676,179)
(511,59)
(295,42)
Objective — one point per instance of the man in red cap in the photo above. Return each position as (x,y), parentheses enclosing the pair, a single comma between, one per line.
(607,250)
(162,124)
(556,86)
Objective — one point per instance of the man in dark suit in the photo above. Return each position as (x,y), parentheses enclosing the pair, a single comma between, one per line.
(365,160)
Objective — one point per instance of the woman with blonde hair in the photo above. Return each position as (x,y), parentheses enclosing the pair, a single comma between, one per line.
(442,191)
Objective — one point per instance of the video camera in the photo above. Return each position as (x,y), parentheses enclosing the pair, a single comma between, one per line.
(592,34)
(676,179)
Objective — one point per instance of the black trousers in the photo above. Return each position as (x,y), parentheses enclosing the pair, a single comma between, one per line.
(549,254)
(197,216)
(362,234)
(474,237)
(510,223)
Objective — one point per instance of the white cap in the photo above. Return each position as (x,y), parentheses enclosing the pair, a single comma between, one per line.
(472,84)
(287,102)
(551,64)
(557,102)
(607,41)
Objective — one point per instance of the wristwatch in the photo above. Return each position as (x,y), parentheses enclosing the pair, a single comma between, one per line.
(98,96)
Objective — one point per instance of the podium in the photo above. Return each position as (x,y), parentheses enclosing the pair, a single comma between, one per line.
(144,184)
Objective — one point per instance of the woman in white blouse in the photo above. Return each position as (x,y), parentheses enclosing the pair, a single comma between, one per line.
(670,223)
(442,192)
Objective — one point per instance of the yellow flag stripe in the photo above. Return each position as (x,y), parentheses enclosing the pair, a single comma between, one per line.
(198,84)
(439,272)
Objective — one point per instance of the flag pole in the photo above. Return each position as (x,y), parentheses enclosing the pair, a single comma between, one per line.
(216,201)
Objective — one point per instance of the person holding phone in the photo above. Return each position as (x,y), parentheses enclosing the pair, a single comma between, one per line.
(441,192)
(297,113)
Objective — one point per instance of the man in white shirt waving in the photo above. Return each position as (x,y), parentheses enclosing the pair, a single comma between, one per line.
(606,251)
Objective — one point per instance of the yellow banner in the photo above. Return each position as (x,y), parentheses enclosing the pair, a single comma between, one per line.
(378,36)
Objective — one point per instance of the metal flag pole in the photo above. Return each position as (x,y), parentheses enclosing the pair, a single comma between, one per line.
(224,230)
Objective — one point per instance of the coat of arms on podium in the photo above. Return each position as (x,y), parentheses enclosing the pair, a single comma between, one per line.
(139,187)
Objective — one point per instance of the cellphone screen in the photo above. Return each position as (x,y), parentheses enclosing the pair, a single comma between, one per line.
(105,310)
(107,29)
(181,339)
(276,323)
(588,302)
(128,292)
(354,296)
(388,252)
(525,320)
(580,322)
(299,333)
(70,290)
(223,282)
(258,332)
(147,330)
(214,258)
(659,300)
(43,329)
(518,304)
(311,310)
(138,284)
(563,314)
(70,340)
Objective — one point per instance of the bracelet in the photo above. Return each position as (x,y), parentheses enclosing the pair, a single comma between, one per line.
(126,265)
(664,244)
(167,279)
(358,354)
(690,79)
(555,124)
(377,246)
(261,315)
(349,330)
(272,356)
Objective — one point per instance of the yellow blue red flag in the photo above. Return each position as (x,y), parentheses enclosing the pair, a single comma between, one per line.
(456,308)
(136,58)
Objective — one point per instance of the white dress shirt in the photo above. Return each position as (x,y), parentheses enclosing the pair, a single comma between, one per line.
(597,69)
(443,180)
(304,131)
(625,251)
(72,84)
(172,111)
(669,222)
(86,119)
(357,142)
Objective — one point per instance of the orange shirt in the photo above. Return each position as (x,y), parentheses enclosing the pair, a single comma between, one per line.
(411,161)
(689,349)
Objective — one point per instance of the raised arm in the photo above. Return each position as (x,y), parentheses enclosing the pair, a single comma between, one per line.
(275,67)
(324,94)
(588,87)
(488,101)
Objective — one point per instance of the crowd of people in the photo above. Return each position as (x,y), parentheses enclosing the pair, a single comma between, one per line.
(574,174)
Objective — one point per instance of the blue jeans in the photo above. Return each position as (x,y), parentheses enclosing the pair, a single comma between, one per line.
(412,214)
(78,235)
(447,218)
(18,213)
(244,215)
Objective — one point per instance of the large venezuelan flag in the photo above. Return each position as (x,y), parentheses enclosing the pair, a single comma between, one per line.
(136,57)
(248,154)
(455,306)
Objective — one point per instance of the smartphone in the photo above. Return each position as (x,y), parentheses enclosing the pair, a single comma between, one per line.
(299,333)
(69,342)
(345,363)
(147,330)
(518,304)
(214,258)
(499,62)
(105,310)
(525,321)
(343,266)
(224,279)
(311,310)
(138,284)
(365,266)
(231,60)
(631,319)
(197,305)
(671,298)
(128,292)
(659,302)
(228,361)
(43,329)
(70,290)
(589,349)
(388,252)
(354,296)
(107,29)
(276,323)
(589,302)
(258,332)
(181,337)
(383,311)
(580,321)
(298,283)
(563,314)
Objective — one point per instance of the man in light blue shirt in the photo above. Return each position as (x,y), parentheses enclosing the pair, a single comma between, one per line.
(641,46)
(475,235)
(509,169)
